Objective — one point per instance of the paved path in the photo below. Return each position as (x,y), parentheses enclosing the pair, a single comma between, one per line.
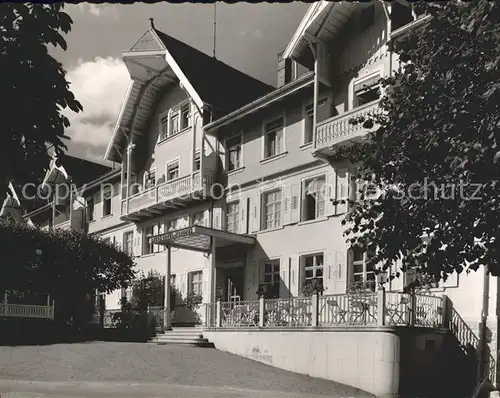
(146,370)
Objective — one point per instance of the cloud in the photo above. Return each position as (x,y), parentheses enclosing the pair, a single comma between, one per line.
(99,10)
(100,86)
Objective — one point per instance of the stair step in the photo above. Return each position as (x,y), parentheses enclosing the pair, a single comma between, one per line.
(192,344)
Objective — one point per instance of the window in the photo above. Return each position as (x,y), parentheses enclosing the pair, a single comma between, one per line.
(366,91)
(361,273)
(196,282)
(313,198)
(153,230)
(197,161)
(147,247)
(149,179)
(273,137)
(313,269)
(309,121)
(308,124)
(128,242)
(185,116)
(174,124)
(233,145)
(106,202)
(173,170)
(172,225)
(90,209)
(198,218)
(163,127)
(271,205)
(232,219)
(272,279)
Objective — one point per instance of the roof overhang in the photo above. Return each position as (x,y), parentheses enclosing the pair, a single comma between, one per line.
(198,238)
(303,81)
(322,22)
(150,69)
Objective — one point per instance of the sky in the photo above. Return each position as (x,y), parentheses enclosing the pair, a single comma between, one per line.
(249,37)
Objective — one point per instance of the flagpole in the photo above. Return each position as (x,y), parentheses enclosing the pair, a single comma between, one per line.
(215,25)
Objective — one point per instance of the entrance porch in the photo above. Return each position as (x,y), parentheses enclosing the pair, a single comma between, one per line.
(225,280)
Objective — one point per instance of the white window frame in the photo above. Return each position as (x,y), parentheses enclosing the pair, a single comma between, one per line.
(265,134)
(235,222)
(352,94)
(197,157)
(306,108)
(146,174)
(364,272)
(264,205)
(173,224)
(174,111)
(104,196)
(227,149)
(317,215)
(148,248)
(273,274)
(126,248)
(192,283)
(194,216)
(314,268)
(169,163)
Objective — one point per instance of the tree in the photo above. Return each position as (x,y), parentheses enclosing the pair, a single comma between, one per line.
(33,90)
(68,265)
(433,152)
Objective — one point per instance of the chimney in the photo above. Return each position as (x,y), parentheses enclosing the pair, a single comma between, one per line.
(284,70)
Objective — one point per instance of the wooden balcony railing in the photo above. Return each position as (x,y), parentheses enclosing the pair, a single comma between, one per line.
(176,189)
(339,128)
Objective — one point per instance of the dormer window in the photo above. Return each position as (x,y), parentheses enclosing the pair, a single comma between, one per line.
(176,120)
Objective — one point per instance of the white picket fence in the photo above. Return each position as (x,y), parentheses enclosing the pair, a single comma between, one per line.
(27,311)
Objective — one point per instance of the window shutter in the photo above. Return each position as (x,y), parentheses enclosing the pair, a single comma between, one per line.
(328,272)
(284,288)
(330,193)
(206,288)
(294,203)
(287,194)
(255,213)
(342,190)
(339,273)
(243,215)
(156,231)
(217,218)
(300,274)
(183,287)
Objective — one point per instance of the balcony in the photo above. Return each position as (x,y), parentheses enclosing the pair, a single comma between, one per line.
(338,130)
(173,194)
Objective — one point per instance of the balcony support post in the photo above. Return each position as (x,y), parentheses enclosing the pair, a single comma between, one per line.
(315,91)
(129,153)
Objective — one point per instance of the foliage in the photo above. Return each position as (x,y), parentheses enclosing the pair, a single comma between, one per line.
(147,290)
(34,89)
(440,125)
(193,301)
(361,287)
(68,265)
(313,287)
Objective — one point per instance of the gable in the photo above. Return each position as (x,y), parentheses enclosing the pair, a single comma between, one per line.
(148,42)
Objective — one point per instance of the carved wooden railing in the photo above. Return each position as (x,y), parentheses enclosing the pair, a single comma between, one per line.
(339,128)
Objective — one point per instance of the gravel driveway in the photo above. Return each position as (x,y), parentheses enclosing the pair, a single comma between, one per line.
(96,368)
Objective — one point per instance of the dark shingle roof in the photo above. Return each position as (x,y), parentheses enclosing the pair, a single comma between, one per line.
(82,171)
(217,83)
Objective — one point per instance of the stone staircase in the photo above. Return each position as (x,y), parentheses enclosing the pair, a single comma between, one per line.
(187,336)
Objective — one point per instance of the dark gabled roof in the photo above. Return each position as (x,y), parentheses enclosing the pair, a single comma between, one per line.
(217,83)
(82,171)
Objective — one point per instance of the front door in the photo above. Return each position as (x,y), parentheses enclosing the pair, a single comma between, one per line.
(235,283)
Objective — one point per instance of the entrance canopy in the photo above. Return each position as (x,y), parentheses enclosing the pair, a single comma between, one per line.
(200,238)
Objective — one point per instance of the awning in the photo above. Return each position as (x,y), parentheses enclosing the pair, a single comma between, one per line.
(199,238)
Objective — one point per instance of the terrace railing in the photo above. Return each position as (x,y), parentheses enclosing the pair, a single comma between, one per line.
(350,309)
